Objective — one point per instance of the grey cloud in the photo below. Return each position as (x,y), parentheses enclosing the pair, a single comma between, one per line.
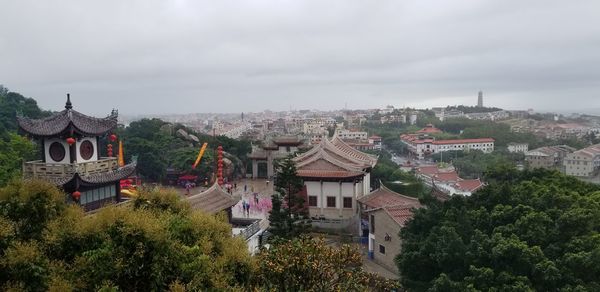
(232,56)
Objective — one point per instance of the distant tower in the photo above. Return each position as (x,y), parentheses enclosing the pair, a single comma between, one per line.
(480,99)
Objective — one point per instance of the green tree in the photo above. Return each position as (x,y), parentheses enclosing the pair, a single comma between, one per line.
(307,264)
(14,150)
(530,230)
(152,244)
(289,216)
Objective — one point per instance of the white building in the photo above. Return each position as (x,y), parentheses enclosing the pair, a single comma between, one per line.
(518,147)
(351,135)
(428,145)
(584,162)
(335,176)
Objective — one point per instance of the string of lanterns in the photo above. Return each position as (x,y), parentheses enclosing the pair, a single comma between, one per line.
(220,164)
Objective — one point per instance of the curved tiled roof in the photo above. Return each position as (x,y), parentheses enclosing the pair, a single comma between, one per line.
(68,120)
(350,151)
(212,200)
(99,178)
(339,153)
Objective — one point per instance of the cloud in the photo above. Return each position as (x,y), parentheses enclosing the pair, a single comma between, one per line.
(231,56)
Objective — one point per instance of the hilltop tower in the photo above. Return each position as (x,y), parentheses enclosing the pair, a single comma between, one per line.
(71,156)
(480,99)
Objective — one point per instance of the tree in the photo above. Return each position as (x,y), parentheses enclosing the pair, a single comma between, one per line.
(289,216)
(14,150)
(306,264)
(155,243)
(530,230)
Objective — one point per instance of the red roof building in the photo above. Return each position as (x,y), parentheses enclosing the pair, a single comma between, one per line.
(335,176)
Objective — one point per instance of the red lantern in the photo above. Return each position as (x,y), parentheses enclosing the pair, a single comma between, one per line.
(76,195)
(113,138)
(70,141)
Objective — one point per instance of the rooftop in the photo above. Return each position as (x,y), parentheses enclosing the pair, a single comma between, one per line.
(68,120)
(212,200)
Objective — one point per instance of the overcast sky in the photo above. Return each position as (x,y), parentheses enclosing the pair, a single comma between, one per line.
(230,56)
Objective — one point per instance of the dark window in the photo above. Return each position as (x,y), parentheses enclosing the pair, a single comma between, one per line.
(86,150)
(312,201)
(287,148)
(347,202)
(330,202)
(372,223)
(382,249)
(57,151)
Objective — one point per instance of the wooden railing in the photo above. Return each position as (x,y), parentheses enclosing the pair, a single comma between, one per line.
(42,170)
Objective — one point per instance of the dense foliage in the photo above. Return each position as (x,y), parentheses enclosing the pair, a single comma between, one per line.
(388,173)
(526,231)
(289,216)
(15,149)
(13,103)
(146,246)
(475,163)
(306,264)
(158,146)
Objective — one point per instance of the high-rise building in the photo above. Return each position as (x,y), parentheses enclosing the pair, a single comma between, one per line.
(480,99)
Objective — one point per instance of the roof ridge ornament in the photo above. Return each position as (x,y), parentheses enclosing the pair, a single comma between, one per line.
(68,105)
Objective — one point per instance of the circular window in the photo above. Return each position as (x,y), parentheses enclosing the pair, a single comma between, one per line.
(86,150)
(57,151)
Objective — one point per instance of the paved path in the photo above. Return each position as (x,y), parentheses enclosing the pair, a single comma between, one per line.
(257,193)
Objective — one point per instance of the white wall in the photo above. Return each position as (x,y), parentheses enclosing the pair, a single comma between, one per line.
(48,142)
(95,155)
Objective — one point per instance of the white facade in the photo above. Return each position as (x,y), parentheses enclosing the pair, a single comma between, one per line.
(518,147)
(584,162)
(323,190)
(48,142)
(347,134)
(95,153)
(413,119)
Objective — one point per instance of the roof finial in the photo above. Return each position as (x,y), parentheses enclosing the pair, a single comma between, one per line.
(68,105)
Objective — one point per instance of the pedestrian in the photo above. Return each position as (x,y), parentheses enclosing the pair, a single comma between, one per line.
(267,183)
(256,198)
(245,188)
(188,186)
(235,186)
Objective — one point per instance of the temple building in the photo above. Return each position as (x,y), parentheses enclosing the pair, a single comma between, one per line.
(214,200)
(71,156)
(279,147)
(336,176)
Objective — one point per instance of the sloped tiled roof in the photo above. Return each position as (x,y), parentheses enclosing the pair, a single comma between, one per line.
(446,176)
(212,200)
(401,214)
(68,119)
(383,197)
(468,185)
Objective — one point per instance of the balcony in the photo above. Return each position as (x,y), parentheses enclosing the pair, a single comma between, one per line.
(42,170)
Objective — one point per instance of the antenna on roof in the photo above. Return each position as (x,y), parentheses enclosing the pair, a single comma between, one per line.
(68,105)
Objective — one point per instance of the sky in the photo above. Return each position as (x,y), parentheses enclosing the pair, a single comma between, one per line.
(162,56)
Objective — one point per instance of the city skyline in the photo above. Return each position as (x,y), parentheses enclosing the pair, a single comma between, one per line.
(177,57)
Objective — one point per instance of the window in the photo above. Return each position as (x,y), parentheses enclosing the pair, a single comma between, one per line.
(287,148)
(372,223)
(86,150)
(330,202)
(382,249)
(57,152)
(312,201)
(348,202)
